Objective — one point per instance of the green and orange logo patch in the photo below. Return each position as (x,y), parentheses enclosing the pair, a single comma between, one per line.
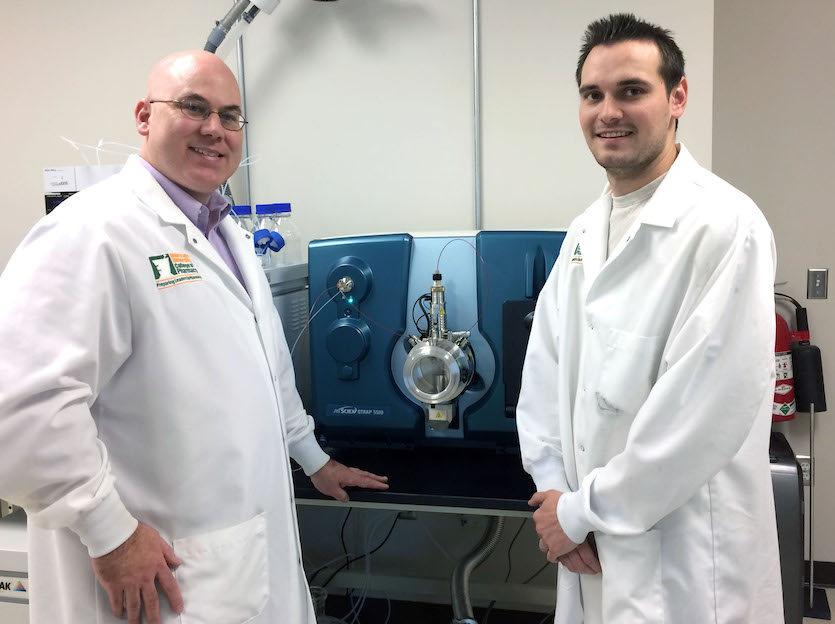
(173,269)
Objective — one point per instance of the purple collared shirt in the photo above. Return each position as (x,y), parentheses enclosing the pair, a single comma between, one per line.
(204,217)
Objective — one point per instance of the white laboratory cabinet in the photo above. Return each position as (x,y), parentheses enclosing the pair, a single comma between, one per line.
(14,579)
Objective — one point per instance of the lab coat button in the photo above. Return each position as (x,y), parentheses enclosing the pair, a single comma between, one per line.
(194,240)
(582,449)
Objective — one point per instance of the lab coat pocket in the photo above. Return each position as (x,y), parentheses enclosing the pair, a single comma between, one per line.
(632,576)
(628,372)
(224,575)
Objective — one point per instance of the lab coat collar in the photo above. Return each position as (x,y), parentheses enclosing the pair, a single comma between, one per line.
(672,198)
(151,194)
(668,202)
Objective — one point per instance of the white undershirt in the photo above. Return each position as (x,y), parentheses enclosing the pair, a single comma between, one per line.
(626,208)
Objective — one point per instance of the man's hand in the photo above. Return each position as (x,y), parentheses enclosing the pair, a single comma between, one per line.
(129,573)
(333,477)
(583,559)
(553,540)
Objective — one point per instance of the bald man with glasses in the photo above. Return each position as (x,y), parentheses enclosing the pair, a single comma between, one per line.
(128,317)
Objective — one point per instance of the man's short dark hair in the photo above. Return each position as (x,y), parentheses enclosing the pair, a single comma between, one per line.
(626,27)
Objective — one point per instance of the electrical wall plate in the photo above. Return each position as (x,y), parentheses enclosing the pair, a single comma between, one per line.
(817,283)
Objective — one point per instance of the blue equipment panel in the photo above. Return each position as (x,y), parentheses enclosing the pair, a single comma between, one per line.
(354,396)
(517,265)
(358,341)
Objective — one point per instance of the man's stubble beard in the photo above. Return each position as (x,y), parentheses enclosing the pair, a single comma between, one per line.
(633,168)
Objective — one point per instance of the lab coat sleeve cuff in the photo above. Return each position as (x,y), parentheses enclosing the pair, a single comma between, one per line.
(309,454)
(105,527)
(572,517)
(548,474)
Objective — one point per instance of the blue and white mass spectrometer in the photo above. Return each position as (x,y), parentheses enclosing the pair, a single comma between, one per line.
(420,340)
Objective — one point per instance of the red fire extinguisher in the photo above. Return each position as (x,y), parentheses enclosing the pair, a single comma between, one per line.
(784,406)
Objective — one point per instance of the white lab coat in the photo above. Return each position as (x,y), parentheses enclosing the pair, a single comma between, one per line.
(123,399)
(646,395)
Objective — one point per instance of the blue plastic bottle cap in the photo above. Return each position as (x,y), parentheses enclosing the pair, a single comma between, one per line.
(271,208)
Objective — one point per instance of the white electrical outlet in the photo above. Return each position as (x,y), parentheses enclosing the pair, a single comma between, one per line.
(806,466)
(817,283)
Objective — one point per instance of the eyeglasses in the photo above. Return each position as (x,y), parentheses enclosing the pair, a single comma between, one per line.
(199,110)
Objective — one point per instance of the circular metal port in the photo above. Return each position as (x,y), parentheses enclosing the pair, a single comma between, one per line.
(438,373)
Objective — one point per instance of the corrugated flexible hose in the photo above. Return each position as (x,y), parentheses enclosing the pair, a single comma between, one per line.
(462,607)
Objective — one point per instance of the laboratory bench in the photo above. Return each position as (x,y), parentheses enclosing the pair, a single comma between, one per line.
(468,482)
(444,480)
(486,482)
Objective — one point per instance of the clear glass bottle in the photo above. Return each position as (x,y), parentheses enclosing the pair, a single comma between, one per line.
(291,253)
(265,244)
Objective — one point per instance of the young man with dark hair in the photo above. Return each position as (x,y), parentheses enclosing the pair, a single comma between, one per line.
(645,411)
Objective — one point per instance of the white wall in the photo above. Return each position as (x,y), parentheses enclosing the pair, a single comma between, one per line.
(773,139)
(360,114)
(360,110)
